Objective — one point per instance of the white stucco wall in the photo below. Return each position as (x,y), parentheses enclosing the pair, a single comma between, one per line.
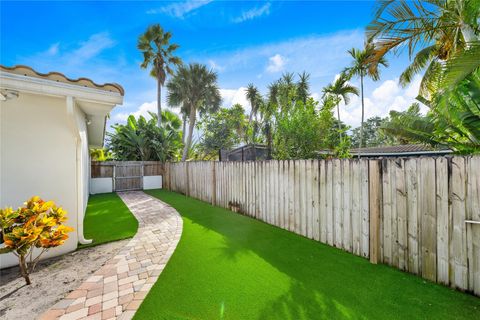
(101,185)
(84,159)
(152,182)
(38,157)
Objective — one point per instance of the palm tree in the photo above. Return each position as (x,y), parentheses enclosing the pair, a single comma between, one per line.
(340,90)
(361,67)
(195,87)
(303,87)
(158,53)
(253,96)
(441,27)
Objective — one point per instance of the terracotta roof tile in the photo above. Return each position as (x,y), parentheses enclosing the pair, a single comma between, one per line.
(60,77)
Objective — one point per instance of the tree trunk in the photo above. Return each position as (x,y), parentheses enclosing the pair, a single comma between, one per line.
(24,269)
(191,126)
(159,103)
(363,115)
(184,128)
(339,123)
(250,118)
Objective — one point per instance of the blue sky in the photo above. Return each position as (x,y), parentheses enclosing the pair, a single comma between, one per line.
(243,42)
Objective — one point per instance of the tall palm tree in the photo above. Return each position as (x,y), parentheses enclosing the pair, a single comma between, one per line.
(340,90)
(441,28)
(361,67)
(158,53)
(196,87)
(303,87)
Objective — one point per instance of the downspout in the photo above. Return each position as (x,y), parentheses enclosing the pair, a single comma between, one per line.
(78,146)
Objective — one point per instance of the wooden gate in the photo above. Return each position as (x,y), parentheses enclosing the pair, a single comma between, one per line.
(128,177)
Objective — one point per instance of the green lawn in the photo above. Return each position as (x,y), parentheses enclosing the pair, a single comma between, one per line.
(108,219)
(228,266)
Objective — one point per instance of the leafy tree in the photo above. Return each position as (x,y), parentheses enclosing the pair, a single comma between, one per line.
(372,135)
(222,130)
(196,87)
(337,91)
(329,130)
(361,67)
(141,139)
(158,53)
(298,133)
(38,225)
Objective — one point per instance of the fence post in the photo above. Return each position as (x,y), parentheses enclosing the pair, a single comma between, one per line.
(187,182)
(375,194)
(214,185)
(113,178)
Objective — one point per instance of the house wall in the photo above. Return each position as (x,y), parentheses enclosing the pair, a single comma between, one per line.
(84,160)
(38,157)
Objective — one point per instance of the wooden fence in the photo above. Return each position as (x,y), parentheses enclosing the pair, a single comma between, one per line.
(126,175)
(419,215)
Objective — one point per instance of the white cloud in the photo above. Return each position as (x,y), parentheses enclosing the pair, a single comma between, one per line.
(253,13)
(321,55)
(387,96)
(143,110)
(276,63)
(215,66)
(386,90)
(53,50)
(180,9)
(92,47)
(234,96)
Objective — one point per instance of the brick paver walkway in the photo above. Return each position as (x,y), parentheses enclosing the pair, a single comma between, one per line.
(117,289)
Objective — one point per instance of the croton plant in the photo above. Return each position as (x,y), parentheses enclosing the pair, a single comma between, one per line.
(38,224)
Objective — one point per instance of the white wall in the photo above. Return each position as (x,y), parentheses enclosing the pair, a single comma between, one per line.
(152,182)
(101,185)
(37,157)
(84,160)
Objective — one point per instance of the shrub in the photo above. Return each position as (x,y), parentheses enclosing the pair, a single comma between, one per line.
(38,224)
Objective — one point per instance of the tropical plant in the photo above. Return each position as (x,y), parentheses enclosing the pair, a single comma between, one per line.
(453,119)
(361,67)
(141,139)
(441,28)
(158,53)
(100,154)
(196,87)
(339,91)
(253,96)
(303,87)
(32,230)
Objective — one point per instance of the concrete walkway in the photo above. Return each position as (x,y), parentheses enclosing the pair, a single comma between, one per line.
(117,289)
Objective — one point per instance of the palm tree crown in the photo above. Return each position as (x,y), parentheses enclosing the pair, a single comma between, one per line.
(340,90)
(195,87)
(441,28)
(158,53)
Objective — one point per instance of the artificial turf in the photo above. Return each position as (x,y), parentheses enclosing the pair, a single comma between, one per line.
(228,266)
(108,219)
